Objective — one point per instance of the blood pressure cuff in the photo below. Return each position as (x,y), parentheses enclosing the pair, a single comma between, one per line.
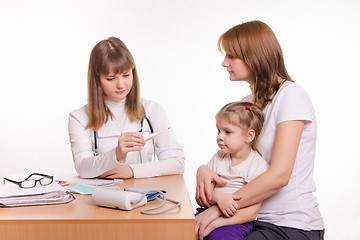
(150,195)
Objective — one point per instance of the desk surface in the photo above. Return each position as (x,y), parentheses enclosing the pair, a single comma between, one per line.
(83,212)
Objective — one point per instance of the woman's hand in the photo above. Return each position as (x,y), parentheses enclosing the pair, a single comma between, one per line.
(203,221)
(122,171)
(128,142)
(205,180)
(241,216)
(226,203)
(211,227)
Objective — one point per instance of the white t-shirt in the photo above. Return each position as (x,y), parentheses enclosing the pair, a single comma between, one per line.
(168,150)
(294,205)
(237,176)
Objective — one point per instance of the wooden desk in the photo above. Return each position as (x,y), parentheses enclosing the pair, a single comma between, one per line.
(82,219)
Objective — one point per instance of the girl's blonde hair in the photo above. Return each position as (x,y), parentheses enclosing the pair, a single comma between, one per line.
(256,44)
(111,53)
(245,115)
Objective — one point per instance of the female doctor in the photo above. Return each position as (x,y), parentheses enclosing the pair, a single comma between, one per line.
(107,135)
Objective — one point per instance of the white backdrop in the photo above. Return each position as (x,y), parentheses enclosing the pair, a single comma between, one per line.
(44,52)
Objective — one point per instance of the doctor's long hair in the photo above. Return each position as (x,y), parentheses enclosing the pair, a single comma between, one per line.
(111,52)
(256,44)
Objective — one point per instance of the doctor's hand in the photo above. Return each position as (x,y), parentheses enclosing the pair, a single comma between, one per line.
(128,142)
(122,171)
(206,179)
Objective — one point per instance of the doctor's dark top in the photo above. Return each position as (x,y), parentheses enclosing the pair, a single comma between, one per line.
(168,150)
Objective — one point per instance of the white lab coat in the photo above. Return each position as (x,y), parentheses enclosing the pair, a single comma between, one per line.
(169,152)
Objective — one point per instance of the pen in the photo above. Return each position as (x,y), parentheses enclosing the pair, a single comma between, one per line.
(155,134)
(105,178)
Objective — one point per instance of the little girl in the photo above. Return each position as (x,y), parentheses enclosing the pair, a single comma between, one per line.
(238,162)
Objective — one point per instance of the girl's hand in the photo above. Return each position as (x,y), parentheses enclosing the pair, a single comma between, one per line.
(205,180)
(128,142)
(226,203)
(123,171)
(204,219)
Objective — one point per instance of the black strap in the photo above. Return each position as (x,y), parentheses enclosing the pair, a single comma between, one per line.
(148,121)
(95,143)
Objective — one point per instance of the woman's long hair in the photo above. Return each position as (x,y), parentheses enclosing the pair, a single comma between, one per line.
(111,52)
(256,44)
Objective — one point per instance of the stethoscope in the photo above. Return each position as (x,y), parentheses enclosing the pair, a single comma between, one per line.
(140,131)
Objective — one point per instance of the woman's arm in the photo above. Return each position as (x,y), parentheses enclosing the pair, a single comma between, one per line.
(284,152)
(168,150)
(86,164)
(286,143)
(168,166)
(105,164)
(206,179)
(122,171)
(205,218)
(242,216)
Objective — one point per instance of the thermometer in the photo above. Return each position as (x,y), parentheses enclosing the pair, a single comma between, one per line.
(154,135)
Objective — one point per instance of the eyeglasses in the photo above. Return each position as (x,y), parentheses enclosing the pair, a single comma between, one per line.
(30,183)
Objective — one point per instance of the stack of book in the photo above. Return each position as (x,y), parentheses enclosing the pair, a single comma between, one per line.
(12,195)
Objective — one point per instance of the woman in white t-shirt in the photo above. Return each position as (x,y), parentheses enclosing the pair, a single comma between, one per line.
(108,134)
(289,209)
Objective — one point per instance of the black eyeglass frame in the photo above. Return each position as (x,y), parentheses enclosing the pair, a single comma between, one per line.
(20,183)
